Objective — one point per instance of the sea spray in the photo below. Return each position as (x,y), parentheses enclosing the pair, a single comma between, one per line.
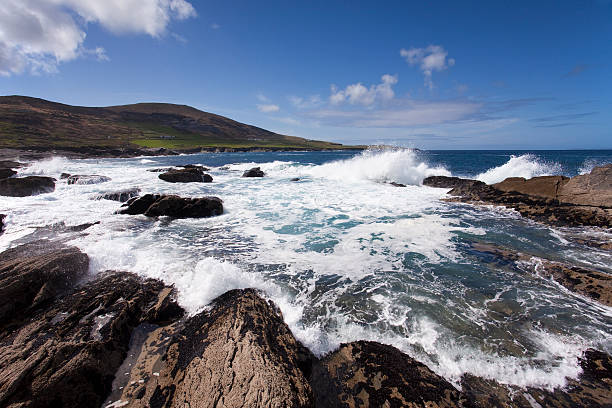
(526,165)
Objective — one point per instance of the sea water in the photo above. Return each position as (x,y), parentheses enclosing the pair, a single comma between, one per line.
(347,256)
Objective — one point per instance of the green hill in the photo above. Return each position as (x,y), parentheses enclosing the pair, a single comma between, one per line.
(32,123)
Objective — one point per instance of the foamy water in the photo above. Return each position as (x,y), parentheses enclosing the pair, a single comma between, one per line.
(345,256)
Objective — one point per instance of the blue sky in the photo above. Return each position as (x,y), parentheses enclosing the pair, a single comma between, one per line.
(427,74)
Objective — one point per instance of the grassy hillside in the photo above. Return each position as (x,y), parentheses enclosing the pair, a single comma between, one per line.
(36,123)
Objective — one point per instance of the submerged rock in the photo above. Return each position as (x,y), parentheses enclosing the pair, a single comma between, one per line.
(186,175)
(87,179)
(238,354)
(154,205)
(121,196)
(26,186)
(366,373)
(254,172)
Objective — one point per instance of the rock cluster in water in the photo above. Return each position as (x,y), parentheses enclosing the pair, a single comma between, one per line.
(155,205)
(254,172)
(584,200)
(118,339)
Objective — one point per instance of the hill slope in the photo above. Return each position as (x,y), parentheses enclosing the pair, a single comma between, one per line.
(27,122)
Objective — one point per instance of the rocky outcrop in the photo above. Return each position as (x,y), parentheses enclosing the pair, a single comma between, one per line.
(26,186)
(186,175)
(593,189)
(541,207)
(155,205)
(366,373)
(121,196)
(238,354)
(87,179)
(254,172)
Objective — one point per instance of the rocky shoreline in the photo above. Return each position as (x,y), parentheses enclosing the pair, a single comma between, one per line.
(74,340)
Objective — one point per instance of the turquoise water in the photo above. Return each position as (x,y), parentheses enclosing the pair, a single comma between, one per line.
(347,256)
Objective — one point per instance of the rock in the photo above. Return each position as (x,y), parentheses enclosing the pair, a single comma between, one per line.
(239,353)
(591,389)
(160,170)
(154,205)
(186,175)
(26,186)
(2,217)
(87,179)
(6,173)
(366,373)
(450,182)
(33,273)
(254,172)
(295,179)
(10,164)
(594,189)
(394,184)
(64,176)
(195,166)
(121,196)
(543,186)
(67,353)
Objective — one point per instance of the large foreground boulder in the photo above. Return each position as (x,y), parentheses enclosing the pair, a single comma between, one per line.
(26,186)
(238,354)
(189,174)
(254,172)
(593,189)
(155,205)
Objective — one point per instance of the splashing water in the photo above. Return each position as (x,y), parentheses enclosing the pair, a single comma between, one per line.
(527,166)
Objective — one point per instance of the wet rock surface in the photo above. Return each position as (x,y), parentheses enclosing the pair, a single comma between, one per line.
(254,172)
(87,179)
(538,201)
(188,174)
(26,186)
(365,373)
(6,173)
(121,196)
(155,205)
(7,168)
(2,217)
(240,353)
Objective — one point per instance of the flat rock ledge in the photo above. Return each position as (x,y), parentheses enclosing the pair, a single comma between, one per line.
(584,200)
(117,340)
(155,205)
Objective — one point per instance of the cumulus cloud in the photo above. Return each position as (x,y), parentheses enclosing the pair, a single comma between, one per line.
(268,108)
(40,34)
(430,59)
(358,94)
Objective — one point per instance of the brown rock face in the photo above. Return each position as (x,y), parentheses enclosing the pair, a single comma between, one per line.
(155,205)
(26,186)
(594,189)
(238,354)
(369,374)
(34,273)
(544,186)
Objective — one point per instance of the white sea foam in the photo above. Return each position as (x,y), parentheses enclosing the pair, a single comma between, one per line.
(526,165)
(590,164)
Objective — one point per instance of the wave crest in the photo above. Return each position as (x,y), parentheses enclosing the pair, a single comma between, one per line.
(526,165)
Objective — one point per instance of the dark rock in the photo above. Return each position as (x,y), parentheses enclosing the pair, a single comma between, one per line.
(6,173)
(2,217)
(254,172)
(87,179)
(394,184)
(121,196)
(240,353)
(295,179)
(33,273)
(67,353)
(64,176)
(450,182)
(186,175)
(26,186)
(195,166)
(154,205)
(10,164)
(160,170)
(366,373)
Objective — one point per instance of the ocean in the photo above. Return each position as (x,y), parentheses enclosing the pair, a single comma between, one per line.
(347,256)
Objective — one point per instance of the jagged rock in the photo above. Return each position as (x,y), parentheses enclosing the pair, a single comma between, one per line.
(186,175)
(240,353)
(87,179)
(591,389)
(121,196)
(154,205)
(6,173)
(593,189)
(366,373)
(254,172)
(33,273)
(67,353)
(2,217)
(26,186)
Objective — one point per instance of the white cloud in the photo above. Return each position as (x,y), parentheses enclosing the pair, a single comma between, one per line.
(357,94)
(411,114)
(306,103)
(215,26)
(40,34)
(430,59)
(268,108)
